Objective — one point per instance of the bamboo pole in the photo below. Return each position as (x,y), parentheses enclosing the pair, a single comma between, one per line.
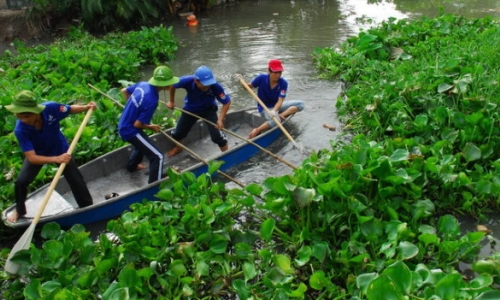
(240,137)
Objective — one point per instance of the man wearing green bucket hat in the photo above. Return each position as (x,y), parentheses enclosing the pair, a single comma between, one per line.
(142,101)
(42,142)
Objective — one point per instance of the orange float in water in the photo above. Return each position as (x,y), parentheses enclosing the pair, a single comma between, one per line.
(192,20)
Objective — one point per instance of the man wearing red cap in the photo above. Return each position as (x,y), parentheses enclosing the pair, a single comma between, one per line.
(272,90)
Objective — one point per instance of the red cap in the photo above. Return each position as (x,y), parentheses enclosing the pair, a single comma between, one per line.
(275,65)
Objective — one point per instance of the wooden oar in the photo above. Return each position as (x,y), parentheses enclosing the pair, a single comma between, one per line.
(176,142)
(106,95)
(240,137)
(278,122)
(25,240)
(201,159)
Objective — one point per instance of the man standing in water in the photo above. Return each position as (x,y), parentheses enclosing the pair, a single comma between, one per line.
(202,92)
(42,142)
(272,89)
(142,101)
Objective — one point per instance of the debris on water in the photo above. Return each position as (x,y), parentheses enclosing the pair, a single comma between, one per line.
(329,127)
(484,229)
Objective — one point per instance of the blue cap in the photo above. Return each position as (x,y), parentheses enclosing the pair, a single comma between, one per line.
(205,76)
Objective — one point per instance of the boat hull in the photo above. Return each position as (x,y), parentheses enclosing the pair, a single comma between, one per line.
(107,173)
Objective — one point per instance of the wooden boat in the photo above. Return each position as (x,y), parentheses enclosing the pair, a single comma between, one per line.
(107,174)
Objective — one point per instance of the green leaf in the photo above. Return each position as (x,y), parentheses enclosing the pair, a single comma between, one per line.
(119,294)
(448,226)
(241,289)
(33,290)
(449,286)
(303,256)
(105,265)
(399,155)
(51,231)
(177,268)
(128,276)
(218,244)
(401,275)
(372,229)
(421,121)
(364,280)
(428,238)
(254,189)
(202,269)
(87,279)
(213,166)
(488,295)
(444,87)
(318,281)
(299,292)
(320,250)
(249,271)
(243,250)
(483,281)
(383,287)
(165,194)
(485,266)
(303,197)
(284,263)
(471,152)
(267,228)
(407,250)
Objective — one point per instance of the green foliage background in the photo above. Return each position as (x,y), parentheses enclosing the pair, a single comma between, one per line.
(369,219)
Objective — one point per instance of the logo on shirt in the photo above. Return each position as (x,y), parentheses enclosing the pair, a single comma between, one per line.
(51,119)
(222,96)
(63,109)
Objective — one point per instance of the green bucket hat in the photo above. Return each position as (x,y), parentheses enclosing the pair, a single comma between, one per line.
(163,76)
(25,102)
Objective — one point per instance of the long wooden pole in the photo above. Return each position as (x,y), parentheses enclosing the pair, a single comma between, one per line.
(106,95)
(278,122)
(25,240)
(174,141)
(200,158)
(240,137)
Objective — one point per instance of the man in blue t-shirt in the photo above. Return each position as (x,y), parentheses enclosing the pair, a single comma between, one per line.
(42,142)
(272,89)
(202,93)
(142,101)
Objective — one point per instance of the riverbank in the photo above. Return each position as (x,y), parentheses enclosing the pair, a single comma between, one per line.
(13,26)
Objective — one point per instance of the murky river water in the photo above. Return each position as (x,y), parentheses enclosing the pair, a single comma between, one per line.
(241,38)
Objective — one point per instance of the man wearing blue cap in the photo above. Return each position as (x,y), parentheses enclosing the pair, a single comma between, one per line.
(202,92)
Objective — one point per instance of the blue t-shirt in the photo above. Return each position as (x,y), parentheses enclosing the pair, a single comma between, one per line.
(197,100)
(266,94)
(48,141)
(140,106)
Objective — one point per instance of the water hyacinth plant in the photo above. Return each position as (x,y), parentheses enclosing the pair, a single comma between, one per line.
(370,219)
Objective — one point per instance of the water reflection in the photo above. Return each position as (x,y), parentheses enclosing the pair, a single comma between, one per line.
(359,14)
